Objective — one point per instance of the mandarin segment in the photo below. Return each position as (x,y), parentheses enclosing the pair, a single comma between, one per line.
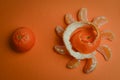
(69,19)
(99,21)
(60,49)
(59,30)
(82,15)
(90,65)
(107,35)
(73,63)
(105,51)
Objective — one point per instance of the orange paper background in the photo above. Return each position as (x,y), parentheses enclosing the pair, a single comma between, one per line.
(41,62)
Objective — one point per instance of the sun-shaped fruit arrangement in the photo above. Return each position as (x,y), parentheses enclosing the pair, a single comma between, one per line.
(82,39)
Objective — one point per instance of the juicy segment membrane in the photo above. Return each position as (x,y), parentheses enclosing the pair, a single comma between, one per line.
(106,34)
(105,51)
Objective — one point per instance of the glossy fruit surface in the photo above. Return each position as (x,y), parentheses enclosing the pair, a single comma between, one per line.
(22,39)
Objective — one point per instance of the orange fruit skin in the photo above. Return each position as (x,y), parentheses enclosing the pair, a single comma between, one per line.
(22,39)
(81,38)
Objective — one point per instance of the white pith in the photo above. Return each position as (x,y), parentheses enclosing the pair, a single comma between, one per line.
(66,39)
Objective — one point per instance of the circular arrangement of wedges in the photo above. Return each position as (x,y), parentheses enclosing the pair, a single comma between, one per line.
(82,39)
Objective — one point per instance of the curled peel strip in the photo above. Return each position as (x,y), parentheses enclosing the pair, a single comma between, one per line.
(67,35)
